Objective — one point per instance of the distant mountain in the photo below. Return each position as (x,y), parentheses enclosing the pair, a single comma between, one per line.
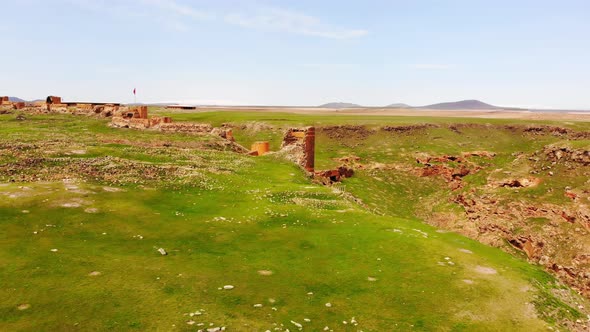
(462,105)
(399,105)
(16,99)
(340,105)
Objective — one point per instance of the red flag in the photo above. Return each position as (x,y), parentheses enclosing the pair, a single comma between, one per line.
(133,90)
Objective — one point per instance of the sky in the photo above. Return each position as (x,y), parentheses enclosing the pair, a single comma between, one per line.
(307,52)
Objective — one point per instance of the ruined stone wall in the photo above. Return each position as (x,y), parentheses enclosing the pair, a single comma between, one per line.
(180,127)
(299,145)
(163,124)
(119,122)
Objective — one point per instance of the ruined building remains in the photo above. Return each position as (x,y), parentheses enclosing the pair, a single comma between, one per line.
(260,148)
(6,105)
(299,143)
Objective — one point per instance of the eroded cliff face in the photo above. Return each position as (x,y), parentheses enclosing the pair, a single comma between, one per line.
(516,208)
(522,188)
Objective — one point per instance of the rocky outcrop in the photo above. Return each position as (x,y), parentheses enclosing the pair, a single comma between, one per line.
(550,235)
(451,168)
(557,153)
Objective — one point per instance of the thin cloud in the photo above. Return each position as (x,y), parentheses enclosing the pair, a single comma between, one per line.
(274,19)
(269,19)
(178,9)
(328,65)
(123,8)
(431,66)
(169,13)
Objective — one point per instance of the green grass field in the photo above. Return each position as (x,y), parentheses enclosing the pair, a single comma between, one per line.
(85,207)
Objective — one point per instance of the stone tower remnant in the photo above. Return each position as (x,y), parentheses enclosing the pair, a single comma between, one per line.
(299,143)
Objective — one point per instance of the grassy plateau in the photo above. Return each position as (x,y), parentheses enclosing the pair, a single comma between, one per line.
(252,243)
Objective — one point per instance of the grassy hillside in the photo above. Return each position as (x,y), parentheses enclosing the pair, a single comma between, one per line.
(85,207)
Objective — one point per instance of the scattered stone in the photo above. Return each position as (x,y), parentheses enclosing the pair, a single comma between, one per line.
(91,210)
(307,320)
(53,250)
(228,287)
(265,272)
(467,251)
(191,322)
(467,281)
(23,306)
(162,251)
(371,278)
(112,189)
(71,205)
(485,270)
(299,326)
(329,305)
(258,305)
(25,211)
(94,274)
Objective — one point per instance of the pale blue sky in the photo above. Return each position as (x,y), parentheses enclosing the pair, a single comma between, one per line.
(306,52)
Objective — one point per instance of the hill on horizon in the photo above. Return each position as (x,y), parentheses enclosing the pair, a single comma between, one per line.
(340,105)
(470,104)
(399,105)
(16,99)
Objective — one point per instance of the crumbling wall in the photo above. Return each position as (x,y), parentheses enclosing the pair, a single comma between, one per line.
(103,111)
(5,105)
(334,175)
(299,146)
(186,127)
(223,132)
(259,148)
(119,122)
(53,100)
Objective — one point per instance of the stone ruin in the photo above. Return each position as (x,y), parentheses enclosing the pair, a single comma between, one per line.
(55,104)
(137,118)
(299,147)
(298,143)
(6,106)
(259,148)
